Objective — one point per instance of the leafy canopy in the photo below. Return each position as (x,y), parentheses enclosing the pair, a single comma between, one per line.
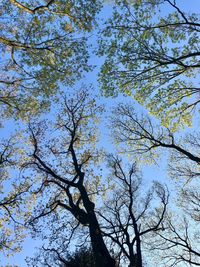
(152,53)
(43,45)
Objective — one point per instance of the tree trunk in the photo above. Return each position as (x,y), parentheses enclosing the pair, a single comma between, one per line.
(139,253)
(101,253)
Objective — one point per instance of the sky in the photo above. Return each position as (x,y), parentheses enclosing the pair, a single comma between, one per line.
(150,173)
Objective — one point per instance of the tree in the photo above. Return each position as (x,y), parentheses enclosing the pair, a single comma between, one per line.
(61,168)
(130,216)
(43,45)
(66,186)
(142,135)
(153,57)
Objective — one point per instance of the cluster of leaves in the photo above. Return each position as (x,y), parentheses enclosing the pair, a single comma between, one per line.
(13,206)
(42,46)
(80,258)
(153,57)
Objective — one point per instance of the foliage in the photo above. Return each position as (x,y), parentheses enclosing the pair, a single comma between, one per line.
(152,54)
(42,46)
(12,203)
(139,133)
(80,258)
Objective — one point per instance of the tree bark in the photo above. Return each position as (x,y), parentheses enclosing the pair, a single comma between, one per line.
(101,253)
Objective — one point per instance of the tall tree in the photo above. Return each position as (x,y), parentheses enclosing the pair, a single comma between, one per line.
(65,183)
(142,135)
(130,215)
(43,44)
(152,53)
(69,191)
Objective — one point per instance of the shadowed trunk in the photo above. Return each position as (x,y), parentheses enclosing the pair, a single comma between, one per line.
(101,253)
